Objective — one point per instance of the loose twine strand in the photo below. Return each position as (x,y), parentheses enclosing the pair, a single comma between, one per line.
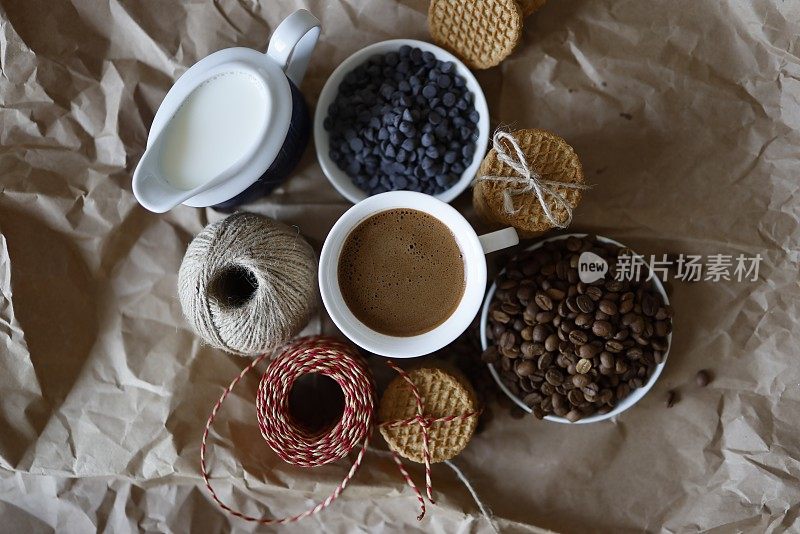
(294,445)
(528,180)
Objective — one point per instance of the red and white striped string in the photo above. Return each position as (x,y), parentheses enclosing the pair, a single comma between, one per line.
(342,363)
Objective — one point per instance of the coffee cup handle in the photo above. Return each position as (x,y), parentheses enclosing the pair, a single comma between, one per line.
(494,241)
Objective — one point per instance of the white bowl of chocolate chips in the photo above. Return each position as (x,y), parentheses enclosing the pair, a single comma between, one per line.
(568,351)
(401,115)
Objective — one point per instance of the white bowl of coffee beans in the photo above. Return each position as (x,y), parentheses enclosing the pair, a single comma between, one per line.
(573,352)
(401,115)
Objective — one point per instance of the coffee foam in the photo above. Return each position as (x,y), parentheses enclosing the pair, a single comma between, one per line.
(401,272)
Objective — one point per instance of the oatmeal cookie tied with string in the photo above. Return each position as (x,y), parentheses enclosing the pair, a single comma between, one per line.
(428,415)
(531,180)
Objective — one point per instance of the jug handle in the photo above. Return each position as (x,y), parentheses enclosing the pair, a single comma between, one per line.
(292,43)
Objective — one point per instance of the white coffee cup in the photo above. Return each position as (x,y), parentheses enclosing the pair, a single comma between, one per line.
(473,249)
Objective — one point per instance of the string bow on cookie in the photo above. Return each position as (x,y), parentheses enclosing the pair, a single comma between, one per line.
(424,422)
(528,180)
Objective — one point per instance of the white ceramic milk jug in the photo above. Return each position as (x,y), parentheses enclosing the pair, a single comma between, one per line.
(232,127)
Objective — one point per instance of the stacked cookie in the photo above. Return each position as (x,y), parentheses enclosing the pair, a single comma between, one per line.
(482,33)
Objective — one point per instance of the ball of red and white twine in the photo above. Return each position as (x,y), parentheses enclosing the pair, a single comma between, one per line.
(295,445)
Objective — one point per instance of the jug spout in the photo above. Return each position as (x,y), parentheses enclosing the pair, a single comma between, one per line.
(152,189)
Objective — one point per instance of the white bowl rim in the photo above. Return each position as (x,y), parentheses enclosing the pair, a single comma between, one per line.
(338,178)
(632,398)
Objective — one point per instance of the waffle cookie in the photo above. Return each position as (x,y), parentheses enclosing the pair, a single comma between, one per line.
(551,157)
(443,394)
(480,32)
(529,7)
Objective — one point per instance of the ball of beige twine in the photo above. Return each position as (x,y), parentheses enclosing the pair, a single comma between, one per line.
(248,284)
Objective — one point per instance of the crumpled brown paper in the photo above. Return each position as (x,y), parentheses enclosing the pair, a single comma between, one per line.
(686,115)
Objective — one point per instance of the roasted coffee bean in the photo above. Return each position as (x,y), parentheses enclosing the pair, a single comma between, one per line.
(507,283)
(554,377)
(540,333)
(588,351)
(649,305)
(508,339)
(545,361)
(659,344)
(603,329)
(560,411)
(622,335)
(543,301)
(490,355)
(574,244)
(562,270)
(634,353)
(636,382)
(584,319)
(524,294)
(637,325)
(547,388)
(559,400)
(527,333)
(584,303)
(525,368)
(590,390)
(594,293)
(572,304)
(531,350)
(615,285)
(556,294)
(511,309)
(573,416)
(620,367)
(583,366)
(608,307)
(500,316)
(545,317)
(533,399)
(578,337)
(703,378)
(580,381)
(575,397)
(497,330)
(551,343)
(606,359)
(660,328)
